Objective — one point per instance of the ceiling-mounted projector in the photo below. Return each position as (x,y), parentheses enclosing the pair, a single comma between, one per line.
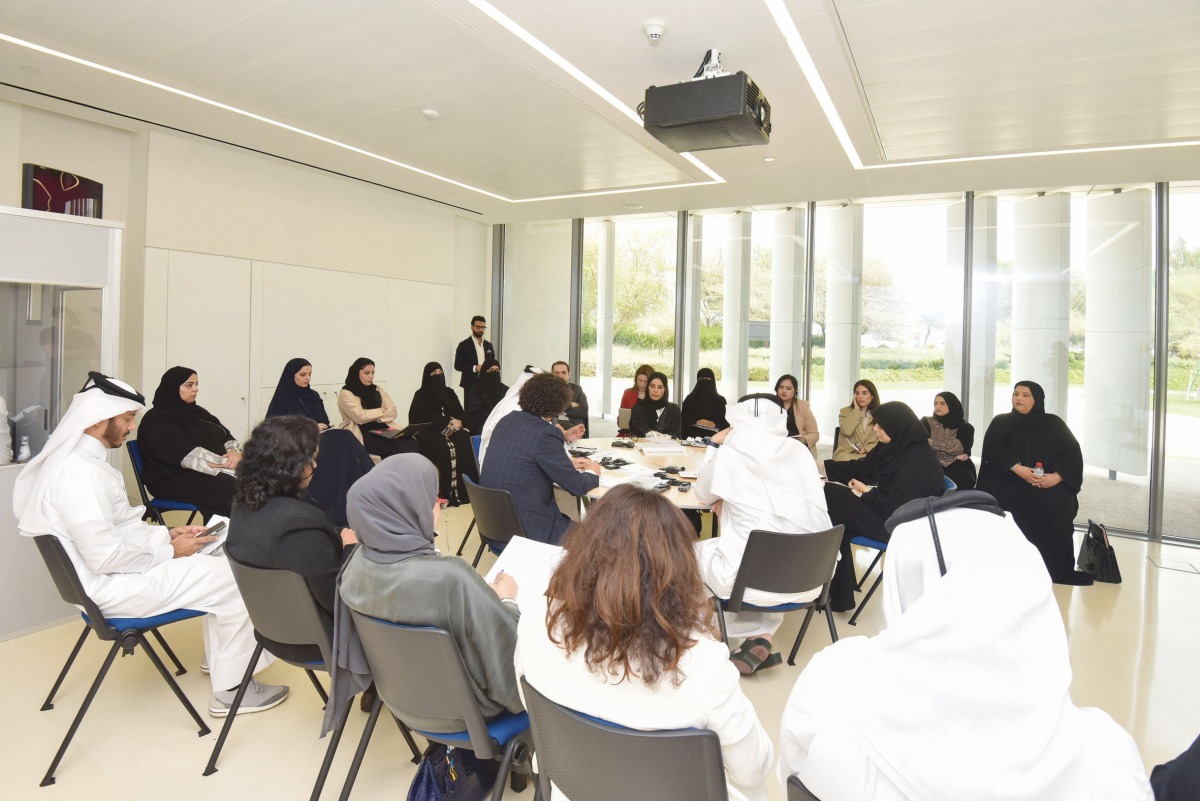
(712,110)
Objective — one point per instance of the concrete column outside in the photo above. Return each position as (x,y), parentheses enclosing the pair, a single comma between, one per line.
(605,268)
(736,317)
(843,308)
(787,293)
(691,298)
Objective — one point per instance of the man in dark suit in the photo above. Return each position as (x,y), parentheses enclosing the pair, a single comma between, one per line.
(471,353)
(526,456)
(577,412)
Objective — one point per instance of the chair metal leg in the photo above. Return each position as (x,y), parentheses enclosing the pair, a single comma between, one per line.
(875,561)
(721,620)
(317,683)
(867,597)
(408,738)
(833,635)
(335,738)
(192,517)
(49,704)
(363,741)
(179,668)
(48,779)
(505,767)
(466,537)
(211,767)
(800,635)
(478,554)
(166,674)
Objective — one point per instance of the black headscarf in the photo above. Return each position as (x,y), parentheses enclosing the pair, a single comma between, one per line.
(953,418)
(431,383)
(1036,436)
(195,423)
(488,388)
(656,404)
(368,395)
(434,402)
(704,402)
(292,399)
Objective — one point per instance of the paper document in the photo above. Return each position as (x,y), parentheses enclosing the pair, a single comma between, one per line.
(662,449)
(220,535)
(530,563)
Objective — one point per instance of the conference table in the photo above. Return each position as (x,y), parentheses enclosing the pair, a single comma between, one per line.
(646,464)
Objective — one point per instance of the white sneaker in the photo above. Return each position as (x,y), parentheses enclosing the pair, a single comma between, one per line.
(258,697)
(204,665)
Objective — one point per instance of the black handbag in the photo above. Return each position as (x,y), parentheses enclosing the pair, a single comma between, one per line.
(452,774)
(1096,555)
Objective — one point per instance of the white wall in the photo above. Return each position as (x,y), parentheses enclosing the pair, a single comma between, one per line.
(537,295)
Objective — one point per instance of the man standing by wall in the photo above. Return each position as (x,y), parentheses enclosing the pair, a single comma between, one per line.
(471,353)
(577,412)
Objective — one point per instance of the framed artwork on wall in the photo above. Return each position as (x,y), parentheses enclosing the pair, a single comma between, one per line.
(48,189)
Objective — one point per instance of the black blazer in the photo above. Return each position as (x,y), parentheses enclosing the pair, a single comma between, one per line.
(464,361)
(525,455)
(290,534)
(643,419)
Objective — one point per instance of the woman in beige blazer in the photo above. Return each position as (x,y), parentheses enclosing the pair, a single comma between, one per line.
(366,408)
(856,437)
(801,423)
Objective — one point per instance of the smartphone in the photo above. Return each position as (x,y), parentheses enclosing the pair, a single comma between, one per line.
(213,529)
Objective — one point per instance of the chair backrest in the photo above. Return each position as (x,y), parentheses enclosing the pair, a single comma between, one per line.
(475,442)
(135,459)
(786,562)
(281,607)
(66,579)
(796,791)
(837,433)
(949,485)
(495,513)
(623,419)
(419,673)
(592,760)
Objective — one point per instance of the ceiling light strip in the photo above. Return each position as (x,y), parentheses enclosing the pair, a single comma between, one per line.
(1032,153)
(791,36)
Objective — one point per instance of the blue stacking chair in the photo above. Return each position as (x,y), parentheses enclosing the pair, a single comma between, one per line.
(125,634)
(156,506)
(475,440)
(789,563)
(419,673)
(881,547)
(590,759)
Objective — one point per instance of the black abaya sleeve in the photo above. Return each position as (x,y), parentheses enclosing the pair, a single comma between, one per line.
(966,437)
(452,407)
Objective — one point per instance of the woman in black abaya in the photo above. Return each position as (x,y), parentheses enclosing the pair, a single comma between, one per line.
(901,468)
(704,406)
(1044,507)
(445,442)
(186,451)
(484,394)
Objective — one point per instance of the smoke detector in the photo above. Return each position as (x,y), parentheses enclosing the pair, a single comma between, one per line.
(654,30)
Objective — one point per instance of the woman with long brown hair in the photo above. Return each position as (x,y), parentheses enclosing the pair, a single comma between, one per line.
(626,632)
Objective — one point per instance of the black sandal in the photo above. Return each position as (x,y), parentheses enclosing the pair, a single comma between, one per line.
(748,662)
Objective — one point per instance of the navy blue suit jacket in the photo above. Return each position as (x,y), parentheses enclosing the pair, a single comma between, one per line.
(525,456)
(464,361)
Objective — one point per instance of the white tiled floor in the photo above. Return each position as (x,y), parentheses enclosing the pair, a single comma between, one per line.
(1134,647)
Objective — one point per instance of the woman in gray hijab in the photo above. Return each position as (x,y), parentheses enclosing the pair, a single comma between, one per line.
(397,575)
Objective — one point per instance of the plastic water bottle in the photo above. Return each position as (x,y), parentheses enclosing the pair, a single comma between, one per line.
(1038,470)
(23,449)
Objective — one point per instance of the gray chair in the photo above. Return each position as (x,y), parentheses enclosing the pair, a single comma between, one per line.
(419,675)
(589,759)
(125,634)
(495,514)
(796,791)
(786,563)
(283,611)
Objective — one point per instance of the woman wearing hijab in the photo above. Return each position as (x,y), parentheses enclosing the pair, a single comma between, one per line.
(397,575)
(187,454)
(484,394)
(445,442)
(655,412)
(294,396)
(801,423)
(703,409)
(900,468)
(951,438)
(975,698)
(1044,506)
(756,477)
(856,435)
(625,631)
(273,526)
(366,407)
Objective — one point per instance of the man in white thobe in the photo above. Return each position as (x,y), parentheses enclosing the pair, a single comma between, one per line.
(127,567)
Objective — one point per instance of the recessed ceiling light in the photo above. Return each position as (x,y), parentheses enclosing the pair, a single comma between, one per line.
(632,206)
(768,158)
(430,114)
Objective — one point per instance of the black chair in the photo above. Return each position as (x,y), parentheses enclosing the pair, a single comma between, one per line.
(156,506)
(475,443)
(125,634)
(796,791)
(593,760)
(282,610)
(496,516)
(786,563)
(420,675)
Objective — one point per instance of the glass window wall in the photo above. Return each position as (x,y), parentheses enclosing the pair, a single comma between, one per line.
(1181,501)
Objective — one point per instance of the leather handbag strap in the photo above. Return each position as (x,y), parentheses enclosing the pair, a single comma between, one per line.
(933,529)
